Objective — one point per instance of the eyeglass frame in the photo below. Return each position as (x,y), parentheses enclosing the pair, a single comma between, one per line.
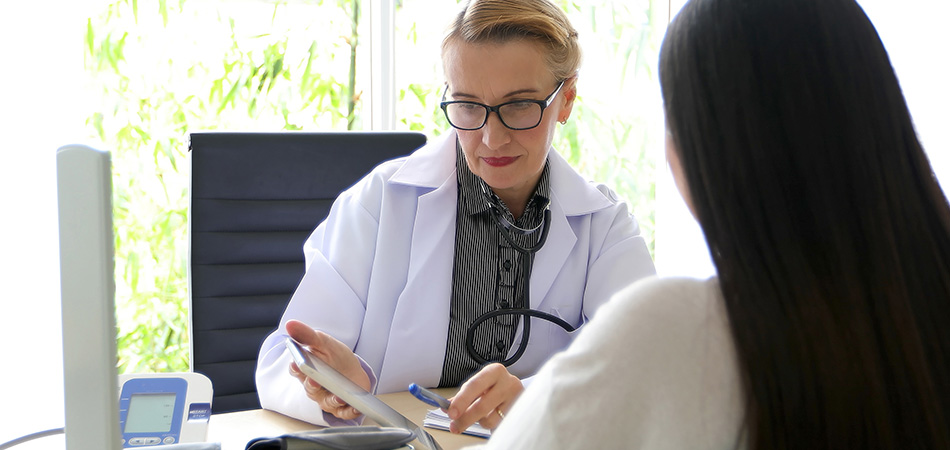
(489,109)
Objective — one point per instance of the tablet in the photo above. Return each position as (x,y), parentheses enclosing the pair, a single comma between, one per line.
(355,395)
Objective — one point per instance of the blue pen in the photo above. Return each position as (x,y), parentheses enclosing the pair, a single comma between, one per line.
(428,396)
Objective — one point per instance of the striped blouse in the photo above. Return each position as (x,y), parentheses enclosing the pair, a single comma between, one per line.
(486,273)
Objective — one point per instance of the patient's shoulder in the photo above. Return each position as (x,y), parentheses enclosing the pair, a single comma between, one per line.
(680,299)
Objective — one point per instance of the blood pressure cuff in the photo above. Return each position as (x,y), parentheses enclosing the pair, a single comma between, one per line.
(338,438)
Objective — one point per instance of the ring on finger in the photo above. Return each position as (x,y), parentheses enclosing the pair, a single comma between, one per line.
(500,414)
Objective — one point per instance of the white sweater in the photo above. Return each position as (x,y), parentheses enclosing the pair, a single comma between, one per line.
(654,369)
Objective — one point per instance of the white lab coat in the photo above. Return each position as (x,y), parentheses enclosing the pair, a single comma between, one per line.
(379,273)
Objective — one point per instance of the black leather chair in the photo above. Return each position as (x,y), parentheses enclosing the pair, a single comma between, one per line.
(255,198)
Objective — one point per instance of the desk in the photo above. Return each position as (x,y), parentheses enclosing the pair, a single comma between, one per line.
(233,430)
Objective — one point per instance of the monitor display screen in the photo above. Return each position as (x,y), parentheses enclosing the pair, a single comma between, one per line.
(150,413)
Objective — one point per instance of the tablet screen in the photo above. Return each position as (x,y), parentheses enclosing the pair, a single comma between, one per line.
(355,395)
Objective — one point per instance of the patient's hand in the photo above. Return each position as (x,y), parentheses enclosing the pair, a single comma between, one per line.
(338,356)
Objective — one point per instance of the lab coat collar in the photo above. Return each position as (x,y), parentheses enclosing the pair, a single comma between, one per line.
(576,195)
(429,167)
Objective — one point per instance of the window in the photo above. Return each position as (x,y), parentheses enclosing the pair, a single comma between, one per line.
(177,67)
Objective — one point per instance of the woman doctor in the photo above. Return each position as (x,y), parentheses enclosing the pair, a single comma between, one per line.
(412,255)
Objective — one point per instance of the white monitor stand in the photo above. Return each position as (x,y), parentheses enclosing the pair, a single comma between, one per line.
(84,179)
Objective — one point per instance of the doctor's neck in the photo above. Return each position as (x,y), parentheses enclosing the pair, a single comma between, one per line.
(515,201)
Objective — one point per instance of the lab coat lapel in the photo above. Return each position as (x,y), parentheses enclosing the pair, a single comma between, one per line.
(552,256)
(421,319)
(571,196)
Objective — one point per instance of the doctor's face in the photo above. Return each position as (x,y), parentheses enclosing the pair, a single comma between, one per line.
(510,161)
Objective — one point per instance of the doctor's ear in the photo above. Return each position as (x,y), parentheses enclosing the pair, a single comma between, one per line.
(569,90)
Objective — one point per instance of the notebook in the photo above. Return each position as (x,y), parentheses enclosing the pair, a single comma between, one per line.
(438,419)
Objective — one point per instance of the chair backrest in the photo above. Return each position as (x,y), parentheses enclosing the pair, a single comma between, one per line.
(255,198)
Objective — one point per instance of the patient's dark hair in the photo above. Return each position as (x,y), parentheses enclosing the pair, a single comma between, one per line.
(828,229)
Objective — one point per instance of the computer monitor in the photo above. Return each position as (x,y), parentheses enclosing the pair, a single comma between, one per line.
(84,180)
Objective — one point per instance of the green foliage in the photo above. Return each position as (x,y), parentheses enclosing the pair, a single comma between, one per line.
(617,124)
(164,69)
(184,67)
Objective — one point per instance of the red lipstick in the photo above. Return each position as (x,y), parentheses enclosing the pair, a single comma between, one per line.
(499,162)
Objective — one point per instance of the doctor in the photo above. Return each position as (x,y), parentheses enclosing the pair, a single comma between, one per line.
(414,253)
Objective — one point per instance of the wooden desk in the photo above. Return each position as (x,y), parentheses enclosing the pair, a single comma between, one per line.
(234,430)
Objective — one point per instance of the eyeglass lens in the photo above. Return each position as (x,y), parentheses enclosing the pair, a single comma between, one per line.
(518,115)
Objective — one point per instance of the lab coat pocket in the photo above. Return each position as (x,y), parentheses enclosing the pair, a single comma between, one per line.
(569,315)
(548,336)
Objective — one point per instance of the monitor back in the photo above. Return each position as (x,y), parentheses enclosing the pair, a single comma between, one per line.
(84,187)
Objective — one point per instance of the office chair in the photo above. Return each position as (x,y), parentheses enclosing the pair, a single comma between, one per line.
(255,198)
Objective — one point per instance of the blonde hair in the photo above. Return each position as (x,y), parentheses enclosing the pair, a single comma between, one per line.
(500,21)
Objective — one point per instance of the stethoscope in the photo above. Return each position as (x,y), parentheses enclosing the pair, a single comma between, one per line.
(506,227)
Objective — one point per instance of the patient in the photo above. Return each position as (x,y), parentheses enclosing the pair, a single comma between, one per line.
(828,326)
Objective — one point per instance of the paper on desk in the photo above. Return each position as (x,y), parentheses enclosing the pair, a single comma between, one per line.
(438,419)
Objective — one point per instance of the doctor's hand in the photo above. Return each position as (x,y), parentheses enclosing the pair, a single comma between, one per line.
(338,356)
(484,398)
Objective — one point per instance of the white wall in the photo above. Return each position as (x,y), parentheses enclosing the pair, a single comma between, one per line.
(916,40)
(38,84)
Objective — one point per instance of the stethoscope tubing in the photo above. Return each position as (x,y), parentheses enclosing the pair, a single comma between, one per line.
(470,334)
(504,227)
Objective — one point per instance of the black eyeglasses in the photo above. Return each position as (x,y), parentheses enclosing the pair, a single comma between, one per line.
(516,115)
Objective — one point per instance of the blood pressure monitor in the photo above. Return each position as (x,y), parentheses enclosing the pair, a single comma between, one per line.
(158,409)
